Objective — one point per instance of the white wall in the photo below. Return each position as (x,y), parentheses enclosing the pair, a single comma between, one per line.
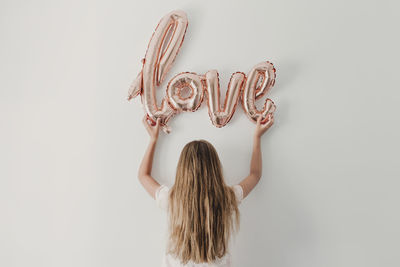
(71,143)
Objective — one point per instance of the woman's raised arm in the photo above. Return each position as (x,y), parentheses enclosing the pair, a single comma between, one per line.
(144,174)
(254,176)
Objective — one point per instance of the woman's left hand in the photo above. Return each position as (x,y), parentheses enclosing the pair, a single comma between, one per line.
(152,130)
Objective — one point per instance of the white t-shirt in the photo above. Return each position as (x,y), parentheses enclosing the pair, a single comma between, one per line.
(168,260)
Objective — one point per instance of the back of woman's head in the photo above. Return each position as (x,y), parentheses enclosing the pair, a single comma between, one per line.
(203,211)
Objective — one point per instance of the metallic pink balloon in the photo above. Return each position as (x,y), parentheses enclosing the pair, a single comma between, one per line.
(259,81)
(221,116)
(175,92)
(161,52)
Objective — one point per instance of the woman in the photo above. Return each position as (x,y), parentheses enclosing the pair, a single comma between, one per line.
(202,210)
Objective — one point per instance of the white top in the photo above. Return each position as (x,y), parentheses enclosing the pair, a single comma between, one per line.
(168,260)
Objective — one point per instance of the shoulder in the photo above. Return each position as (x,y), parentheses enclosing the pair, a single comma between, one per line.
(162,189)
(161,196)
(237,188)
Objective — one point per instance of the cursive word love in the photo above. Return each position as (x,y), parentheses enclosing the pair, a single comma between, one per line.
(185,91)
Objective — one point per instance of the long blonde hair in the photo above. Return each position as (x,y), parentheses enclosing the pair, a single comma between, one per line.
(203,210)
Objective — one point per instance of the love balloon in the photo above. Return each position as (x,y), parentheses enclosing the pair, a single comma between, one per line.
(185,91)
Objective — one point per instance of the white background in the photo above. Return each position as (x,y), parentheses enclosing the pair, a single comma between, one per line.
(71,144)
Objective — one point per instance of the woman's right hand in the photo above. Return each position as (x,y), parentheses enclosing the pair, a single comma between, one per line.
(152,130)
(262,128)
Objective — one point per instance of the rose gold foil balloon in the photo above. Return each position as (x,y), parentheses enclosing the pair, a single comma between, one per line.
(259,81)
(221,116)
(161,52)
(175,91)
(136,87)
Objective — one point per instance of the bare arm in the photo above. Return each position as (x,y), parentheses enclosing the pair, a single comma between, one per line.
(254,176)
(144,174)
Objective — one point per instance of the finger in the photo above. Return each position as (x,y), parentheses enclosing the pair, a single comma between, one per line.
(259,120)
(146,122)
(267,119)
(263,120)
(269,122)
(158,122)
(270,117)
